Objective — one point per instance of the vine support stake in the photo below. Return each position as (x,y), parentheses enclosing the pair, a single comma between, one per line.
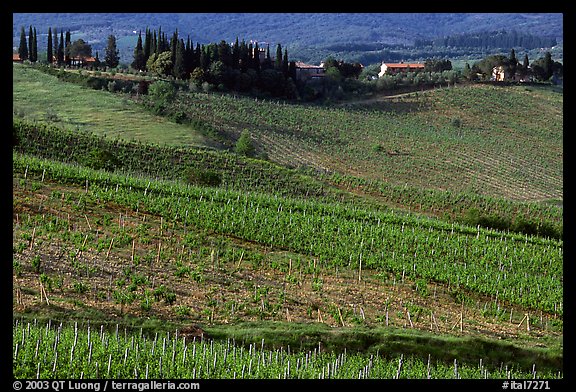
(32,239)
(89,227)
(110,247)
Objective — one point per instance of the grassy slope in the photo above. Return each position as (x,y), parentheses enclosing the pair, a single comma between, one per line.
(38,96)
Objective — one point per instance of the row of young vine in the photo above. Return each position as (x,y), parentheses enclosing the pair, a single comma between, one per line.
(243,174)
(522,269)
(68,351)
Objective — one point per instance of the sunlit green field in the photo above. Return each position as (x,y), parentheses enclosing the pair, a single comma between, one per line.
(43,97)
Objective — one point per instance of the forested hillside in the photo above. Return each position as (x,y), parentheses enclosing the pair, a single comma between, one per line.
(299,31)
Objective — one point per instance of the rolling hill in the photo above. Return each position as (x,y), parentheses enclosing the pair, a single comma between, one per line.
(422,226)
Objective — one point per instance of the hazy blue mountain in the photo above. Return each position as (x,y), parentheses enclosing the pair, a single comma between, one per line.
(295,31)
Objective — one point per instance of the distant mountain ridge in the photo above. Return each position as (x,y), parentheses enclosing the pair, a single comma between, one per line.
(292,30)
(300,28)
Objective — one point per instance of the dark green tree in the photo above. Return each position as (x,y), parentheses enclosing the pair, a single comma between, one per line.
(173,46)
(204,58)
(61,49)
(278,59)
(96,60)
(179,71)
(49,52)
(111,57)
(80,48)
(244,145)
(139,63)
(67,44)
(236,55)
(23,48)
(147,45)
(548,65)
(285,63)
(30,43)
(55,47)
(267,63)
(35,46)
(244,56)
(512,62)
(225,53)
(216,73)
(196,57)
(153,45)
(545,67)
(256,58)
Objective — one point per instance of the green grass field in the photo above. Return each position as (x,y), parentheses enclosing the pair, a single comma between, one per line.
(43,97)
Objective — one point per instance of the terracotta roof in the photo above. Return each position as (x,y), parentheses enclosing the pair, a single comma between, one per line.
(15,57)
(404,65)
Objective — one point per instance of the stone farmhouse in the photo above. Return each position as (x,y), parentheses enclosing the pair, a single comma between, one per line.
(307,71)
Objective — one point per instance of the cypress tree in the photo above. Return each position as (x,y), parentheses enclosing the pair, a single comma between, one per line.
(256,58)
(67,44)
(153,45)
(204,58)
(49,53)
(159,43)
(35,46)
(196,57)
(236,55)
(23,48)
(278,60)
(61,49)
(30,43)
(513,63)
(55,47)
(285,63)
(267,62)
(173,46)
(244,56)
(139,62)
(147,44)
(178,69)
(224,53)
(250,57)
(111,57)
(188,57)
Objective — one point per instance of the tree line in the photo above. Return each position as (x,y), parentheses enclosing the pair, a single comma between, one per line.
(239,66)
(541,69)
(490,39)
(60,50)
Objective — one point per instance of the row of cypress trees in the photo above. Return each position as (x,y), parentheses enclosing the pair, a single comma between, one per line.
(28,51)
(180,58)
(58,50)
